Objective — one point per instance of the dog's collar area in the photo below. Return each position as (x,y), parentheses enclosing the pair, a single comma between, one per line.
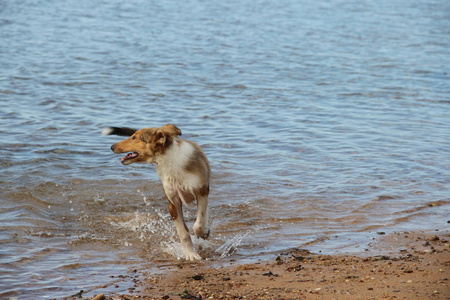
(129,156)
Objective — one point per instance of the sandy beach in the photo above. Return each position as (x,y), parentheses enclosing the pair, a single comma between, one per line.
(407,265)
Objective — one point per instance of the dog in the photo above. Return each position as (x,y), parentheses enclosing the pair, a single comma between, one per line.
(182,167)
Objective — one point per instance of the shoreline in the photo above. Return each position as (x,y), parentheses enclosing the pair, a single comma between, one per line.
(417,267)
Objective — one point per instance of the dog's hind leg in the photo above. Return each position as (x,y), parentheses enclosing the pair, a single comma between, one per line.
(175,208)
(201,226)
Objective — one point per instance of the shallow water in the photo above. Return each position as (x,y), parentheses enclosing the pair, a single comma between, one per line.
(324,122)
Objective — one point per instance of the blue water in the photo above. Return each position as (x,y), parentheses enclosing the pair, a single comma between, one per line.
(324,123)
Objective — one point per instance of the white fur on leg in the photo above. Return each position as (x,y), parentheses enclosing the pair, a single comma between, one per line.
(185,239)
(189,250)
(191,256)
(201,226)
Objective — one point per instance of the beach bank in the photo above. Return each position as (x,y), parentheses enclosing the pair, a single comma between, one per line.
(407,265)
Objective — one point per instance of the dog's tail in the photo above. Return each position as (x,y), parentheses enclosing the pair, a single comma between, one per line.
(122,131)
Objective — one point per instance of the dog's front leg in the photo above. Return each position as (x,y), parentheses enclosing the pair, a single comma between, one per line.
(175,208)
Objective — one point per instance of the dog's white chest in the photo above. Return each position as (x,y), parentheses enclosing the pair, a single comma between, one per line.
(171,167)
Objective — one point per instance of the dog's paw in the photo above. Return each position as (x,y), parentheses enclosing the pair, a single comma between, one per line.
(200,231)
(204,234)
(192,256)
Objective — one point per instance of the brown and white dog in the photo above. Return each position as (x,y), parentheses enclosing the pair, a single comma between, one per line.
(182,167)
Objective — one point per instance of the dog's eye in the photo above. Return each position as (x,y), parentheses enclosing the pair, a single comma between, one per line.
(133,137)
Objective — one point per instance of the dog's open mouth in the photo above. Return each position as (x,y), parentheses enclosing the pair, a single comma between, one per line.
(129,156)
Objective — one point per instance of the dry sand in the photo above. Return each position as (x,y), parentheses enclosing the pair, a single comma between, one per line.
(396,266)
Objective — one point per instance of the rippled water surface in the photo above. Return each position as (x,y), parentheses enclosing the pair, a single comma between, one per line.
(325,122)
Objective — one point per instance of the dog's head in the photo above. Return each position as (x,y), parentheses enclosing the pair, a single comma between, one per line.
(145,144)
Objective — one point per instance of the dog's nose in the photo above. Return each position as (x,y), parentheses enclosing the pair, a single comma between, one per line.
(112,147)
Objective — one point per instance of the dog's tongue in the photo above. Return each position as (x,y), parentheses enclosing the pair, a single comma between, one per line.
(128,156)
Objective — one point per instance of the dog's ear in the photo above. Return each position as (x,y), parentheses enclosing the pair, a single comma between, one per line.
(166,133)
(147,135)
(161,138)
(171,129)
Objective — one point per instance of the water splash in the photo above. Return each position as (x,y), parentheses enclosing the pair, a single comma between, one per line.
(144,224)
(230,247)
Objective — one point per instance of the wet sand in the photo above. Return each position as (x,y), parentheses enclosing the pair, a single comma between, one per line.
(407,265)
